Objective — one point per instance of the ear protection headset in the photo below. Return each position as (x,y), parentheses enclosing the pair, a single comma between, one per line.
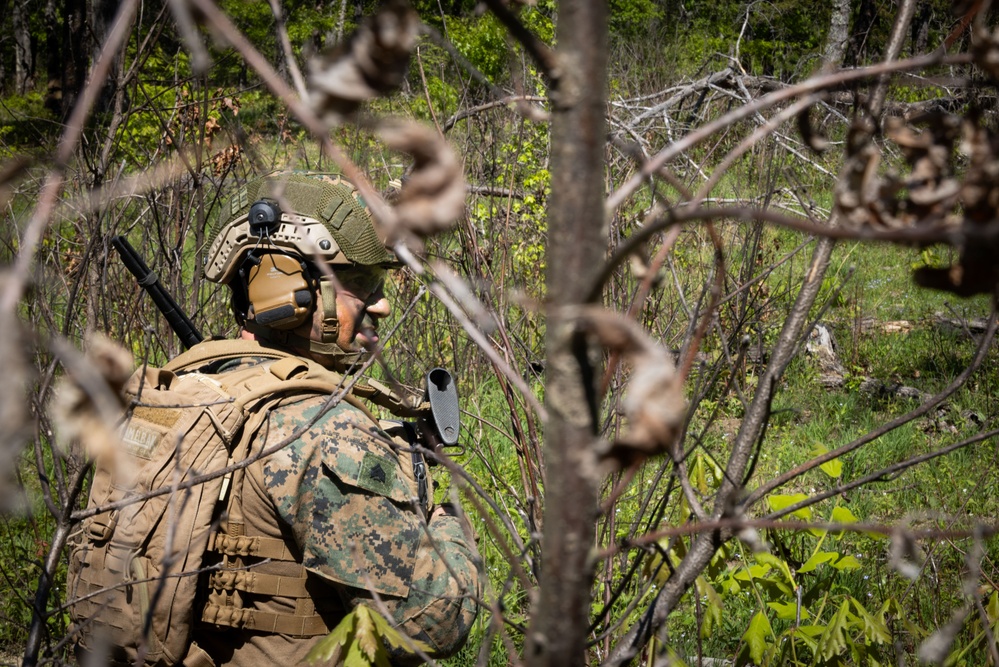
(279,289)
(279,286)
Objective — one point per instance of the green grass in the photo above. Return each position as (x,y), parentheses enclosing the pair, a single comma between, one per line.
(954,491)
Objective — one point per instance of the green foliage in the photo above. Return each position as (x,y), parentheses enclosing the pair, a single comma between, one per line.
(443,96)
(483,42)
(360,640)
(773,38)
(24,120)
(631,18)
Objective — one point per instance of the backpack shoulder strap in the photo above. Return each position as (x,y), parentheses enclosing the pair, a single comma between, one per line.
(222,350)
(288,367)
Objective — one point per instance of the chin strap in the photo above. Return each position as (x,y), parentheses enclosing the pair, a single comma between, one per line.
(328,346)
(343,361)
(331,326)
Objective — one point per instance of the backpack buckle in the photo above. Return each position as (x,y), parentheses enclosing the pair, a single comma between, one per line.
(101,526)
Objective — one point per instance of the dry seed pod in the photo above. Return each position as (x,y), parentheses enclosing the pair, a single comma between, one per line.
(371,63)
(904,555)
(88,403)
(15,410)
(985,51)
(654,404)
(432,196)
(936,648)
(812,137)
(641,268)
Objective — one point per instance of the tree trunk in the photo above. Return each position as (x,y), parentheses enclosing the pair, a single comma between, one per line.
(24,66)
(906,10)
(100,15)
(74,61)
(53,60)
(867,16)
(576,244)
(839,34)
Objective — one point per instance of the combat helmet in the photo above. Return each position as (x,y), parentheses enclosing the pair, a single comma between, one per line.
(270,237)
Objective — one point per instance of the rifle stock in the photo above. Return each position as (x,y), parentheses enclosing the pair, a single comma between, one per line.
(149,281)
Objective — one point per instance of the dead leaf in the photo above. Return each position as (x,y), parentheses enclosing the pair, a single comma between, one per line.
(985,50)
(904,555)
(432,196)
(371,63)
(642,270)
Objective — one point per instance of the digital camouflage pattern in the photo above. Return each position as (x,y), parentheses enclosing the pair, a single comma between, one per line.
(345,499)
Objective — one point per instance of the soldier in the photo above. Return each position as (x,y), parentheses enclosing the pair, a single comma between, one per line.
(328,521)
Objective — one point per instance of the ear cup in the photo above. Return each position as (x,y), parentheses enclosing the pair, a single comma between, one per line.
(280,291)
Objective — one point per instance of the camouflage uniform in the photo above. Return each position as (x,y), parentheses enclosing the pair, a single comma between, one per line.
(340,501)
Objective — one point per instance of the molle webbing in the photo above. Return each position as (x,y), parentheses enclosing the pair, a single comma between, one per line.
(227,586)
(242,545)
(290,339)
(259,583)
(264,621)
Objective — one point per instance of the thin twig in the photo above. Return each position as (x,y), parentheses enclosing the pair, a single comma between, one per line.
(812,85)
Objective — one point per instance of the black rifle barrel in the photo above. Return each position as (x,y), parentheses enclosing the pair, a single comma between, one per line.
(149,281)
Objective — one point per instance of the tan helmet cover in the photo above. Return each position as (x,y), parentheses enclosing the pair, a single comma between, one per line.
(327,222)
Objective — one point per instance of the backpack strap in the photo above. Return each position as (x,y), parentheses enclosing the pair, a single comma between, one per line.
(289,365)
(222,350)
(259,390)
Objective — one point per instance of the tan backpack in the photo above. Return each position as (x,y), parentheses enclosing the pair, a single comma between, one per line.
(135,565)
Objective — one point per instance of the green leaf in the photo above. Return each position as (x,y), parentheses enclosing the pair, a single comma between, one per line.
(842,514)
(833,468)
(329,648)
(833,640)
(811,630)
(366,636)
(750,572)
(756,637)
(779,501)
(355,657)
(806,637)
(360,640)
(817,558)
(786,611)
(699,478)
(713,612)
(779,564)
(847,563)
(875,629)
(395,638)
(992,611)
